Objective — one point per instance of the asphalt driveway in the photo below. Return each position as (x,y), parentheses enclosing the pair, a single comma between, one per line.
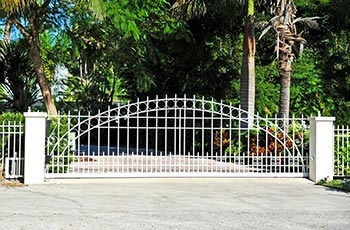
(175,204)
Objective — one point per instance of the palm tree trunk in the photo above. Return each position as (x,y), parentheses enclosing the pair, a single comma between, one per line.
(7,32)
(284,94)
(247,89)
(35,54)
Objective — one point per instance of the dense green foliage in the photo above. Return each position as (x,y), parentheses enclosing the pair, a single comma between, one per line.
(142,48)
(17,81)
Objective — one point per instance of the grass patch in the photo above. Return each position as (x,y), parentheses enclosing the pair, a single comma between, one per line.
(337,184)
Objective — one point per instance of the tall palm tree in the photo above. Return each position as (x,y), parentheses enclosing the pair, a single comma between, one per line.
(34,12)
(283,23)
(188,8)
(247,87)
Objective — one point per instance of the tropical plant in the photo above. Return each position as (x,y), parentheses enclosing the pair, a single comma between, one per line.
(93,92)
(35,13)
(284,25)
(18,86)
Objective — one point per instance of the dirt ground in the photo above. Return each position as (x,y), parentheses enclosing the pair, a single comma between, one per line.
(9,183)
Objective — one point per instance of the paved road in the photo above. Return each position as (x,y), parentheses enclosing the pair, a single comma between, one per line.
(175,204)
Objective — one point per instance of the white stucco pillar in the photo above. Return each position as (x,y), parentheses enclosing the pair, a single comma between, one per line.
(321,148)
(35,134)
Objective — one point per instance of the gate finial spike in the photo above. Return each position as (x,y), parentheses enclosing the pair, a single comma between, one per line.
(319,114)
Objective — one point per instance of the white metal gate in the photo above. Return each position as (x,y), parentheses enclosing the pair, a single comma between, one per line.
(174,137)
(12,149)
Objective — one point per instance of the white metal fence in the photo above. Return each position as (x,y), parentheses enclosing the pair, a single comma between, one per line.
(342,151)
(11,149)
(175,137)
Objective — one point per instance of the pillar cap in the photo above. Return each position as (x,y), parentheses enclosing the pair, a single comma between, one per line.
(321,119)
(35,114)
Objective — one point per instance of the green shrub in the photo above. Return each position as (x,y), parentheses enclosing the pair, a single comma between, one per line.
(342,161)
(12,118)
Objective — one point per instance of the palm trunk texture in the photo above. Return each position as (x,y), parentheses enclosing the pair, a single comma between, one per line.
(247,89)
(7,31)
(35,54)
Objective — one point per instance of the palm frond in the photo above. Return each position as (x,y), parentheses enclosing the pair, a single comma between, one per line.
(12,6)
(269,25)
(309,22)
(98,9)
(301,49)
(267,28)
(261,25)
(188,9)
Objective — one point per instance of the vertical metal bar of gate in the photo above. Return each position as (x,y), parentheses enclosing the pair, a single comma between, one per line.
(221,130)
(266,158)
(347,147)
(202,143)
(2,146)
(78,141)
(193,134)
(138,135)
(337,155)
(304,154)
(239,138)
(147,149)
(211,135)
(230,136)
(14,154)
(119,167)
(178,156)
(21,165)
(156,135)
(293,150)
(128,163)
(173,165)
(8,142)
(184,137)
(166,133)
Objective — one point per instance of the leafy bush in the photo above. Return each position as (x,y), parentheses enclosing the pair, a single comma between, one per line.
(267,141)
(12,118)
(342,161)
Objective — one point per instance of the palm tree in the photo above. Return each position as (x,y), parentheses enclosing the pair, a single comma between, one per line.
(189,8)
(35,14)
(283,23)
(247,91)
